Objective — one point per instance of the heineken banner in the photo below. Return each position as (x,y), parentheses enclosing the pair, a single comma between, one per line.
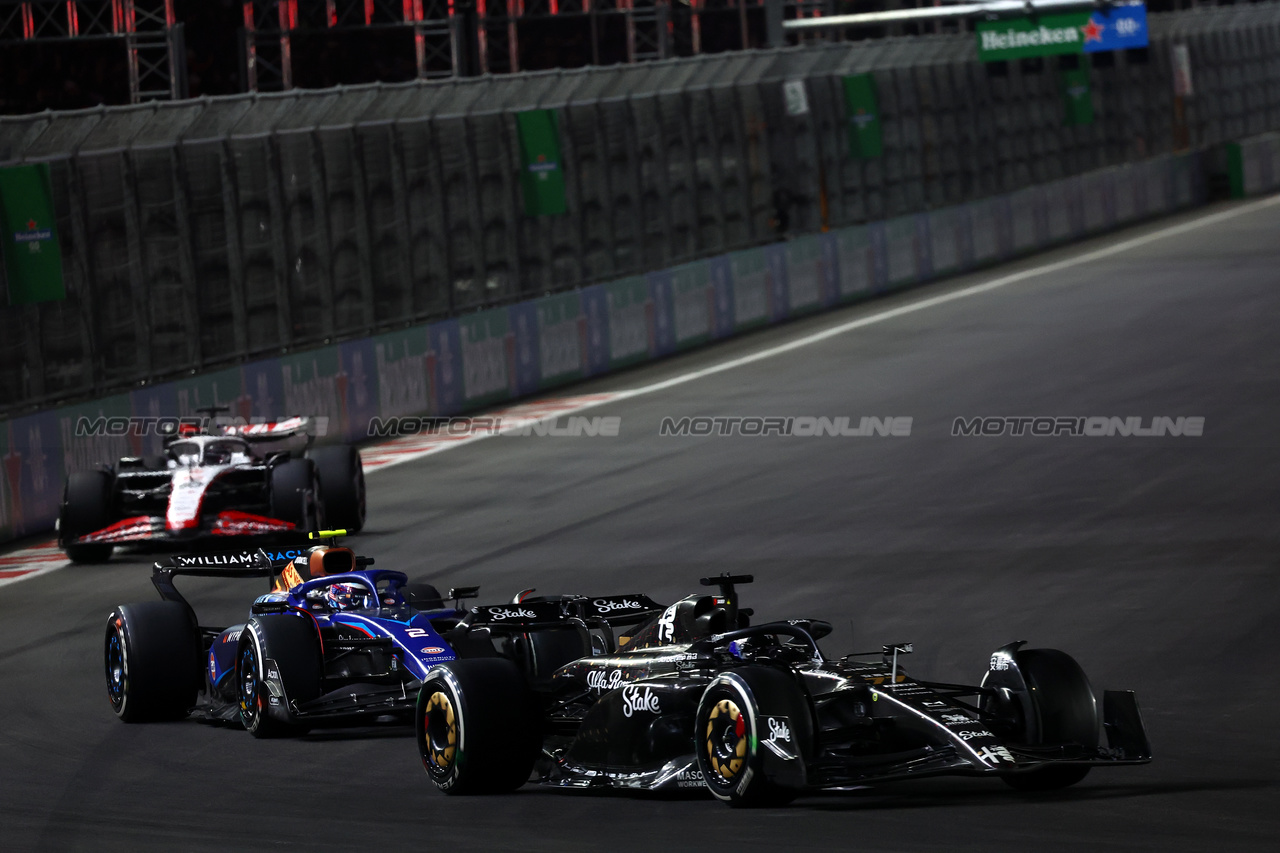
(542,176)
(1086,31)
(29,235)
(864,116)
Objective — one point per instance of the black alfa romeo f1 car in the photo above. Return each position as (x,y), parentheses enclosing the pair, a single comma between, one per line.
(620,692)
(259,480)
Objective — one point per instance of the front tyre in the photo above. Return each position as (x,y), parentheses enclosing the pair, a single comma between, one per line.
(739,711)
(1066,712)
(153,662)
(476,727)
(278,667)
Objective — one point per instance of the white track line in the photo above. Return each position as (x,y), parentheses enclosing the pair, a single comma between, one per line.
(398,451)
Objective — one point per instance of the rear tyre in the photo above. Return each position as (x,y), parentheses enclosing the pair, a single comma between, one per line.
(422,596)
(293,494)
(341,476)
(86,508)
(153,661)
(278,666)
(476,727)
(1066,712)
(730,731)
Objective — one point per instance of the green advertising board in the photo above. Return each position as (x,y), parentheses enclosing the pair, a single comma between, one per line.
(29,235)
(1047,35)
(864,116)
(542,173)
(1077,97)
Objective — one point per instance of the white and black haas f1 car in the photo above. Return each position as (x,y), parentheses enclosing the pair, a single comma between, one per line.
(260,480)
(696,697)
(333,641)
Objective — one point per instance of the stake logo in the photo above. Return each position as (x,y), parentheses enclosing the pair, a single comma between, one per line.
(506,613)
(634,699)
(779,740)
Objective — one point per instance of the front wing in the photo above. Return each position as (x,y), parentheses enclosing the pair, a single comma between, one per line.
(152,528)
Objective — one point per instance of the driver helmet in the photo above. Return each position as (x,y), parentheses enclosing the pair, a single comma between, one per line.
(217,454)
(344,596)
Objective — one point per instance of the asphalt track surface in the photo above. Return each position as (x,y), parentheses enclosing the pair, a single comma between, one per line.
(1152,560)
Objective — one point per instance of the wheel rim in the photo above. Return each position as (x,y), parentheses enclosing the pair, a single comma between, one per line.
(440,725)
(117,665)
(725,741)
(250,700)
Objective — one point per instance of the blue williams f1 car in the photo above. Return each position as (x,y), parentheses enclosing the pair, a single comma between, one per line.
(334,639)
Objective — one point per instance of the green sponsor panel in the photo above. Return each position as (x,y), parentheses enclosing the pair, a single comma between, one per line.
(29,235)
(488,357)
(1019,38)
(863,108)
(1077,96)
(406,373)
(691,298)
(543,174)
(750,289)
(1235,169)
(630,309)
(84,442)
(562,328)
(804,274)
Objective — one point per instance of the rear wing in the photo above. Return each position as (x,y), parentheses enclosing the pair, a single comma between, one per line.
(602,614)
(222,564)
(591,610)
(286,433)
